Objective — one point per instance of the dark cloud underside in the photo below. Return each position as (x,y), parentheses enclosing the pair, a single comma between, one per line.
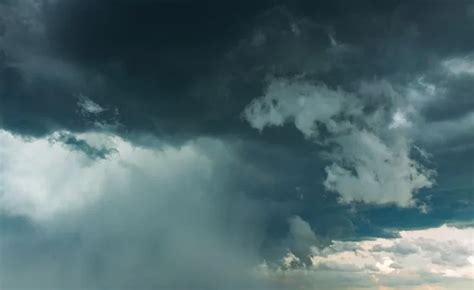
(169,74)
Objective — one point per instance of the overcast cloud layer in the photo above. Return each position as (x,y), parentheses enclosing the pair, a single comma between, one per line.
(209,144)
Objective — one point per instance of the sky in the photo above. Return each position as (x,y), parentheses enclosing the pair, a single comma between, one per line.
(233,145)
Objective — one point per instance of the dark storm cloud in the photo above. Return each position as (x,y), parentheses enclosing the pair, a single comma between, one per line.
(190,67)
(455,102)
(184,69)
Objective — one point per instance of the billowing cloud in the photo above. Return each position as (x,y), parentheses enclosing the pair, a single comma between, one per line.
(418,259)
(370,156)
(125,160)
(160,210)
(48,176)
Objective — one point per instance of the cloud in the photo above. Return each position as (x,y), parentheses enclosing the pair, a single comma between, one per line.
(87,106)
(388,263)
(128,152)
(447,132)
(302,103)
(399,119)
(460,65)
(41,178)
(301,240)
(140,218)
(81,145)
(370,162)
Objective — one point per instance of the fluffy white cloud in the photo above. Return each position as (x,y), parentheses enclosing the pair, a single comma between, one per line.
(42,178)
(436,258)
(370,153)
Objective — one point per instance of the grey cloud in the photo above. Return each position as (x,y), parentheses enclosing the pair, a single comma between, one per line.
(168,230)
(74,143)
(370,160)
(302,239)
(401,247)
(88,107)
(197,83)
(450,253)
(406,262)
(180,70)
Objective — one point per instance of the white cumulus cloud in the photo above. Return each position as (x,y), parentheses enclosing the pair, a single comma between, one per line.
(433,258)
